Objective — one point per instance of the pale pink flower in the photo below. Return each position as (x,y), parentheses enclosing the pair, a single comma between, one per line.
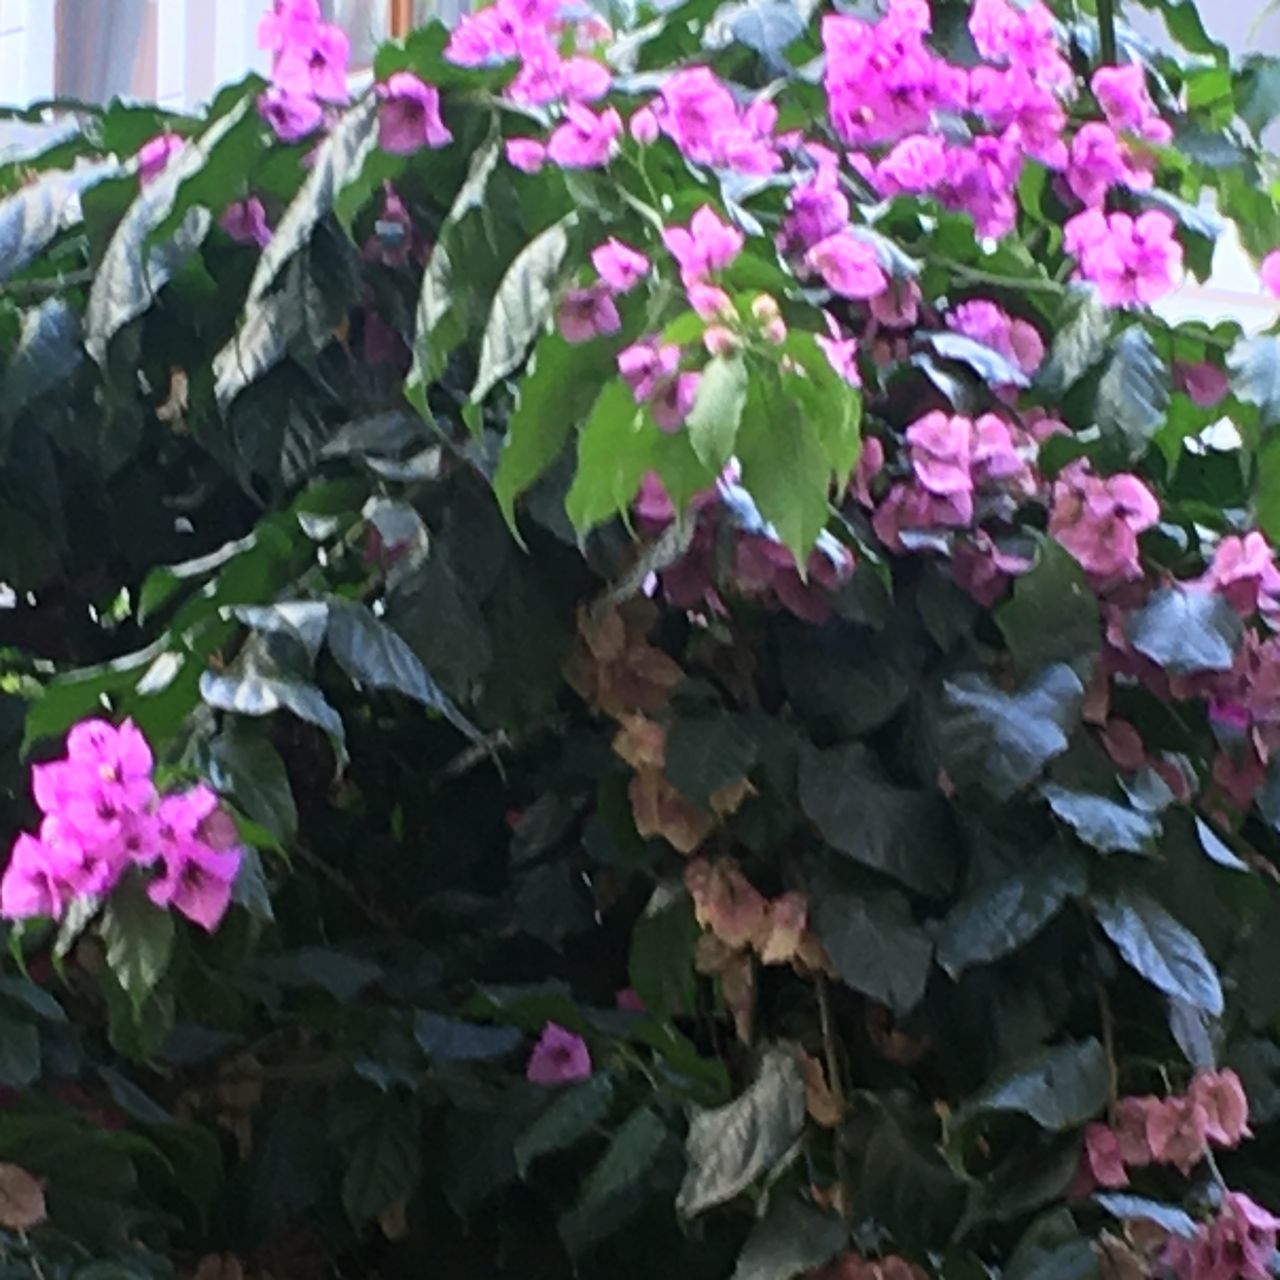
(619,265)
(559,1057)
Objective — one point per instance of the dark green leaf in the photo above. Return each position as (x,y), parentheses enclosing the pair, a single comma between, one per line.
(1255,375)
(522,305)
(1186,631)
(337,161)
(1163,951)
(245,766)
(874,944)
(704,755)
(370,652)
(998,918)
(1052,615)
(615,449)
(250,889)
(573,1114)
(453,1040)
(897,830)
(254,693)
(34,997)
(1079,344)
(138,937)
(384,1163)
(343,976)
(661,957)
(48,352)
(1105,824)
(729,1147)
(713,421)
(793,1237)
(1133,393)
(19,1053)
(1002,741)
(1060,1088)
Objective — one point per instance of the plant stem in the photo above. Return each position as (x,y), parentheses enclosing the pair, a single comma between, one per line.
(1107,32)
(835,1081)
(1108,1043)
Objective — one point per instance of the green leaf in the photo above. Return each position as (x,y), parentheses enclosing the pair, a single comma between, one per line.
(342,975)
(1257,92)
(704,755)
(245,766)
(35,213)
(256,693)
(33,997)
(874,944)
(1059,1088)
(1079,343)
(1163,951)
(133,271)
(900,831)
(47,353)
(794,1237)
(713,421)
(1001,741)
(660,963)
(1186,631)
(610,1191)
(250,889)
(994,369)
(337,161)
(1267,495)
(784,467)
(453,1040)
(1133,393)
(1103,823)
(19,1053)
(998,918)
(614,452)
(1130,1208)
(573,1114)
(1255,375)
(1052,616)
(384,1163)
(522,305)
(729,1147)
(138,937)
(374,655)
(553,396)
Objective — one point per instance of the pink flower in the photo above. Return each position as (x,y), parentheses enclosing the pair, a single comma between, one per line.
(643,127)
(707,245)
(1131,260)
(672,399)
(316,63)
(709,300)
(1098,519)
(1225,1105)
(982,569)
(1102,1151)
(409,117)
(1099,161)
(292,116)
(286,22)
(246,222)
(199,866)
(980,180)
(701,116)
(1203,382)
(585,140)
(559,1057)
(817,209)
(1243,570)
(1177,1130)
(848,265)
(1122,94)
(619,266)
(940,448)
(841,352)
(1237,1245)
(913,166)
(1013,98)
(526,154)
(1022,37)
(154,155)
(31,885)
(644,364)
(1129,1123)
(1270,272)
(587,313)
(898,307)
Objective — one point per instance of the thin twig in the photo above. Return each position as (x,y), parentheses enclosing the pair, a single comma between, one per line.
(835,1082)
(1107,32)
(51,284)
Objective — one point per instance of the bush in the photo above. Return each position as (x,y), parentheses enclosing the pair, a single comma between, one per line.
(633,654)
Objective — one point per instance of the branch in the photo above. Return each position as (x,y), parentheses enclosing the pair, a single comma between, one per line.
(1107,32)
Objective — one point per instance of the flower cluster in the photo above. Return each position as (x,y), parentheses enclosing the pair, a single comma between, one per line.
(587,313)
(309,67)
(1131,260)
(102,816)
(1177,1130)
(1240,1243)
(1098,520)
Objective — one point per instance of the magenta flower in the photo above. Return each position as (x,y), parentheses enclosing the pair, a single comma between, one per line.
(245,221)
(1243,571)
(585,140)
(707,245)
(940,449)
(199,862)
(315,63)
(1099,161)
(980,180)
(817,209)
(526,154)
(1011,98)
(849,266)
(409,117)
(1098,519)
(32,884)
(290,115)
(587,313)
(1131,260)
(709,300)
(619,266)
(155,154)
(841,352)
(672,399)
(559,1057)
(698,110)
(1270,273)
(286,23)
(986,322)
(584,79)
(913,166)
(644,364)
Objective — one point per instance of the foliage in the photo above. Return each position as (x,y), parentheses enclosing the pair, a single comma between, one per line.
(741,662)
